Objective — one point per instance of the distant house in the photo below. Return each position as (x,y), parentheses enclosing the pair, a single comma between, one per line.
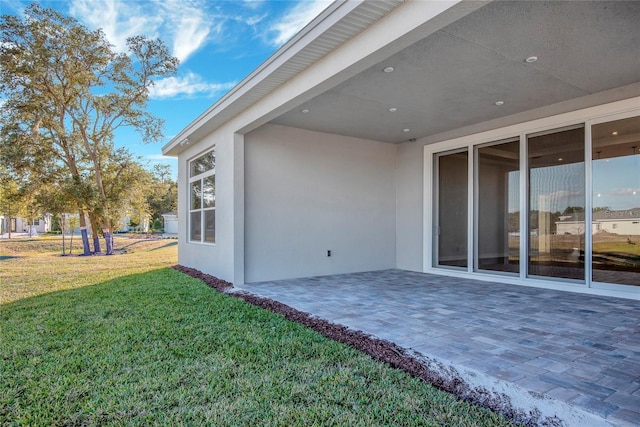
(624,222)
(23,225)
(571,224)
(406,134)
(170,222)
(125,224)
(4,224)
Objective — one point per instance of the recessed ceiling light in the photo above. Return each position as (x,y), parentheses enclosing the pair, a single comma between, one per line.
(614,133)
(393,109)
(305,111)
(499,103)
(388,69)
(531,59)
(406,130)
(560,159)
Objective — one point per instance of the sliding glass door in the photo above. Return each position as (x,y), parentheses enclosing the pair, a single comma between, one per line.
(556,203)
(616,202)
(452,209)
(497,195)
(561,204)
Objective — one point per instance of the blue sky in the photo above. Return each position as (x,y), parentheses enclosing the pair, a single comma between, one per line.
(218,43)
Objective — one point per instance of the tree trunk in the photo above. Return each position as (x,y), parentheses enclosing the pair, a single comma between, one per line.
(94,229)
(71,242)
(64,249)
(83,232)
(96,243)
(108,238)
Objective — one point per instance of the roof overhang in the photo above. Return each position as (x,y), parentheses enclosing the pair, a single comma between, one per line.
(453,61)
(339,22)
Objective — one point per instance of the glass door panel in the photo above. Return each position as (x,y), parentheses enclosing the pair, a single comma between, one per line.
(556,204)
(616,202)
(498,207)
(452,211)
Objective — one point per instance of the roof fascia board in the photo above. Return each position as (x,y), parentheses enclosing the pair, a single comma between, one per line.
(325,20)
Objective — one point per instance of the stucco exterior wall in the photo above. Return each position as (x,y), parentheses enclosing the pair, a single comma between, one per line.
(409,213)
(307,193)
(216,259)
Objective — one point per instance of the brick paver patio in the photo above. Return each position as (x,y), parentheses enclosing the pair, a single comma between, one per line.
(571,355)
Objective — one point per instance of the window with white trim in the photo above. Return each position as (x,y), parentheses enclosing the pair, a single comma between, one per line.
(202,198)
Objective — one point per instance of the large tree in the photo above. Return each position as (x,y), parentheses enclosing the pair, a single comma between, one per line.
(163,195)
(127,185)
(65,93)
(13,200)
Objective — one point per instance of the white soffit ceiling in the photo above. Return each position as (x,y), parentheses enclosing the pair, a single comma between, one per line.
(452,78)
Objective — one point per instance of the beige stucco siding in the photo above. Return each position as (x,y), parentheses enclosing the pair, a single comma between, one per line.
(308,193)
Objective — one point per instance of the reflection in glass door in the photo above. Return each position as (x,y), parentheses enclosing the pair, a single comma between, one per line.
(556,204)
(452,210)
(559,235)
(497,198)
(616,202)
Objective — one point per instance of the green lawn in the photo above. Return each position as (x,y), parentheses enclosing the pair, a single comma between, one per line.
(152,346)
(32,267)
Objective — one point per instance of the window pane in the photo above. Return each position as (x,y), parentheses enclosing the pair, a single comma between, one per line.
(202,164)
(498,204)
(195,226)
(556,204)
(210,226)
(209,192)
(196,195)
(452,210)
(616,202)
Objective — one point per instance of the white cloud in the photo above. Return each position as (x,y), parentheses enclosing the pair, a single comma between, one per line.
(564,194)
(15,6)
(295,19)
(622,192)
(188,25)
(187,86)
(253,4)
(191,33)
(183,25)
(253,20)
(118,20)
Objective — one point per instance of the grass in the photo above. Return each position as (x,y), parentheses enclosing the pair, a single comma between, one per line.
(151,346)
(618,248)
(35,266)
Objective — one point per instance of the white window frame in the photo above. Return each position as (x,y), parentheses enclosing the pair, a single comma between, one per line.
(201,209)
